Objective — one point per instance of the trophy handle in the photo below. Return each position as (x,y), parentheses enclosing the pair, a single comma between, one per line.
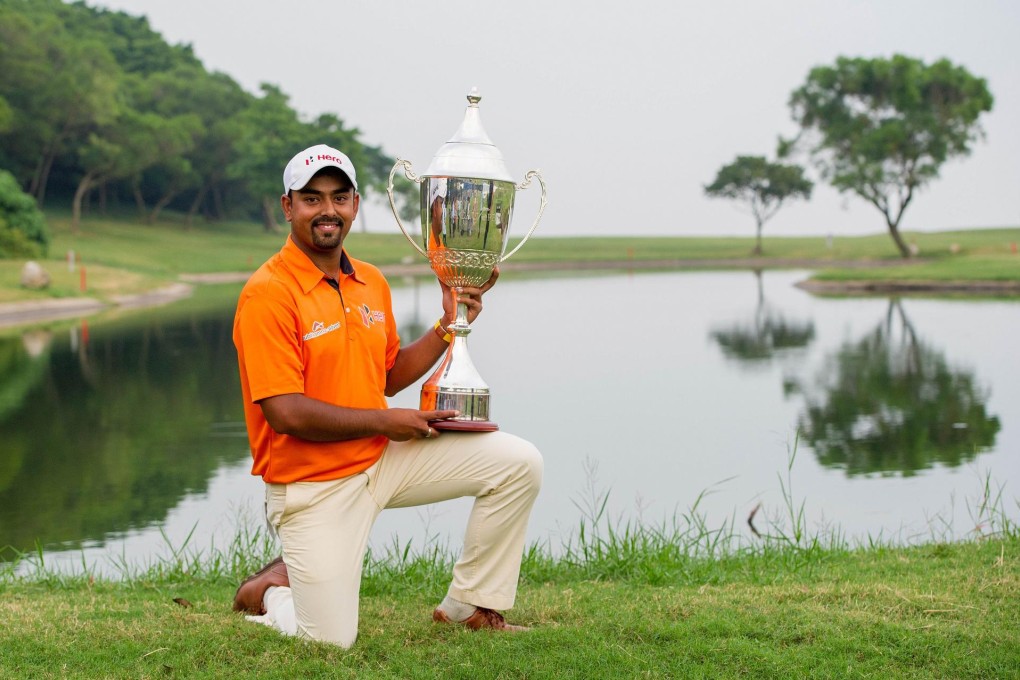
(532,174)
(393,204)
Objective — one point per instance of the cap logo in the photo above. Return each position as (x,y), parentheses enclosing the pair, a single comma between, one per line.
(323,157)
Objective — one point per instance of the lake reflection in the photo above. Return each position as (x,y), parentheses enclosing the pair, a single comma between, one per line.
(652,387)
(106,429)
(890,402)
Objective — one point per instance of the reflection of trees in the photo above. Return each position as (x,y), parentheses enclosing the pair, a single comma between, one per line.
(768,333)
(83,458)
(413,327)
(892,404)
(21,373)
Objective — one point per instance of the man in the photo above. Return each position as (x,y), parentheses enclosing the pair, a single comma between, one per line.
(319,353)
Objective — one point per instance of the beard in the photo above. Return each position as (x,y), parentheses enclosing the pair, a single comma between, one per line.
(330,240)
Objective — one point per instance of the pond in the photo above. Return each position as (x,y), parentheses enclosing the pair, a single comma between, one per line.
(886,417)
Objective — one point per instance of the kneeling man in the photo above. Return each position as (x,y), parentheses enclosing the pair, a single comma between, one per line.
(319,353)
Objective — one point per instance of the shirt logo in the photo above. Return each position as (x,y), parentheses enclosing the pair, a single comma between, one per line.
(319,328)
(369,317)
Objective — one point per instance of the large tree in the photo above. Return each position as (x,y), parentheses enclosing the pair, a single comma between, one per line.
(760,185)
(882,128)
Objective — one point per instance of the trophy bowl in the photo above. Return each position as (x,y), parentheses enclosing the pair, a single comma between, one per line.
(467,200)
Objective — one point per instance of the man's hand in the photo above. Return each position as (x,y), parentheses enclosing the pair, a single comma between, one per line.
(406,423)
(415,359)
(469,295)
(314,420)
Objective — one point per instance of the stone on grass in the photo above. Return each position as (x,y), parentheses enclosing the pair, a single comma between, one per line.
(34,276)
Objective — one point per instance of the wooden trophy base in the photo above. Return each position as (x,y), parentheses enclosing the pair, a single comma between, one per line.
(464,425)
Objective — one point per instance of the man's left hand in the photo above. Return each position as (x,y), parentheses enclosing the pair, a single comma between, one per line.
(469,295)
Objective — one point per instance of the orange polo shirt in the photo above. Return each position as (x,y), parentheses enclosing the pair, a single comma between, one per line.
(295,333)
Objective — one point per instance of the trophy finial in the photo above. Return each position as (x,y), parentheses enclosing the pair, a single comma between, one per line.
(470,152)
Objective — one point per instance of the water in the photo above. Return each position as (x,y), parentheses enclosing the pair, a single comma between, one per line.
(121,439)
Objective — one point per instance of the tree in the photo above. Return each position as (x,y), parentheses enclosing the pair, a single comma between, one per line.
(59,85)
(882,128)
(172,171)
(268,130)
(122,150)
(762,185)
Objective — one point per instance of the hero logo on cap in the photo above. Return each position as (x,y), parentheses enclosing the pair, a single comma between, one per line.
(304,165)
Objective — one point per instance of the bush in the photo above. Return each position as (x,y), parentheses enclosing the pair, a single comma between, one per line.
(23,231)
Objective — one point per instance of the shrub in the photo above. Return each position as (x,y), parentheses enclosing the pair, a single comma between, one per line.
(23,231)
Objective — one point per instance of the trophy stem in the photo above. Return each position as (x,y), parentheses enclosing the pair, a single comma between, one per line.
(461,322)
(456,384)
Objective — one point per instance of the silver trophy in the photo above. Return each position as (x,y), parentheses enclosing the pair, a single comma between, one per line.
(467,199)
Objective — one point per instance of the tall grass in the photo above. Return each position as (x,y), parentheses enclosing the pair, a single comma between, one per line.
(682,549)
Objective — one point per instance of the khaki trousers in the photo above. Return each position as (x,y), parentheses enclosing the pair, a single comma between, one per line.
(324,526)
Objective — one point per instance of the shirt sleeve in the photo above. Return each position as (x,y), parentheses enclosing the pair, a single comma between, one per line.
(272,349)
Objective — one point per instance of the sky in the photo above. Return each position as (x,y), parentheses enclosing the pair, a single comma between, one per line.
(628,109)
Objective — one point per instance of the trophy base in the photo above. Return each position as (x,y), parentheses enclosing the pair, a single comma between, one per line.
(470,403)
(464,425)
(456,386)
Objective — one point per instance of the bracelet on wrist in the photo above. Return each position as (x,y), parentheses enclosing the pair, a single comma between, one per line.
(442,332)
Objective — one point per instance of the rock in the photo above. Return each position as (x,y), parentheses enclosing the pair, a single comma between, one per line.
(34,276)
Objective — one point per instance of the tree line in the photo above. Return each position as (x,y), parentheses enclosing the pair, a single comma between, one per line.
(98,110)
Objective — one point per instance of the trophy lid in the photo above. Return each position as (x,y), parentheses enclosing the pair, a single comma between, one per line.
(470,152)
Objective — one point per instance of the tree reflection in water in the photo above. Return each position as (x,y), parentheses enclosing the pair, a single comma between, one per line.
(768,333)
(890,403)
(103,434)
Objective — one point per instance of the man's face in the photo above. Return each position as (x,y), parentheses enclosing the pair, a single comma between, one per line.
(321,213)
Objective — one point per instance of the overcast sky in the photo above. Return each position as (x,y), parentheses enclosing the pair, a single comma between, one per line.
(627,108)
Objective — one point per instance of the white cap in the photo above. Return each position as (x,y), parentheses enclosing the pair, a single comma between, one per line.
(303,166)
(437,189)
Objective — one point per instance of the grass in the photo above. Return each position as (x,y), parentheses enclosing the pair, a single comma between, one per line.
(993,266)
(122,256)
(942,611)
(676,600)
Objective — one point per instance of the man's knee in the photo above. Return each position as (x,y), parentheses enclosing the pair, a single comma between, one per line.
(535,466)
(527,462)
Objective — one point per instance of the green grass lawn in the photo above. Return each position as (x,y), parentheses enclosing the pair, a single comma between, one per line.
(933,611)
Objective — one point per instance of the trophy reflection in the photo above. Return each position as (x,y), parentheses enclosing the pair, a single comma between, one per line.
(467,200)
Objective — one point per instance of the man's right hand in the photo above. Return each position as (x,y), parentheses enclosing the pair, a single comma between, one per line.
(404,424)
